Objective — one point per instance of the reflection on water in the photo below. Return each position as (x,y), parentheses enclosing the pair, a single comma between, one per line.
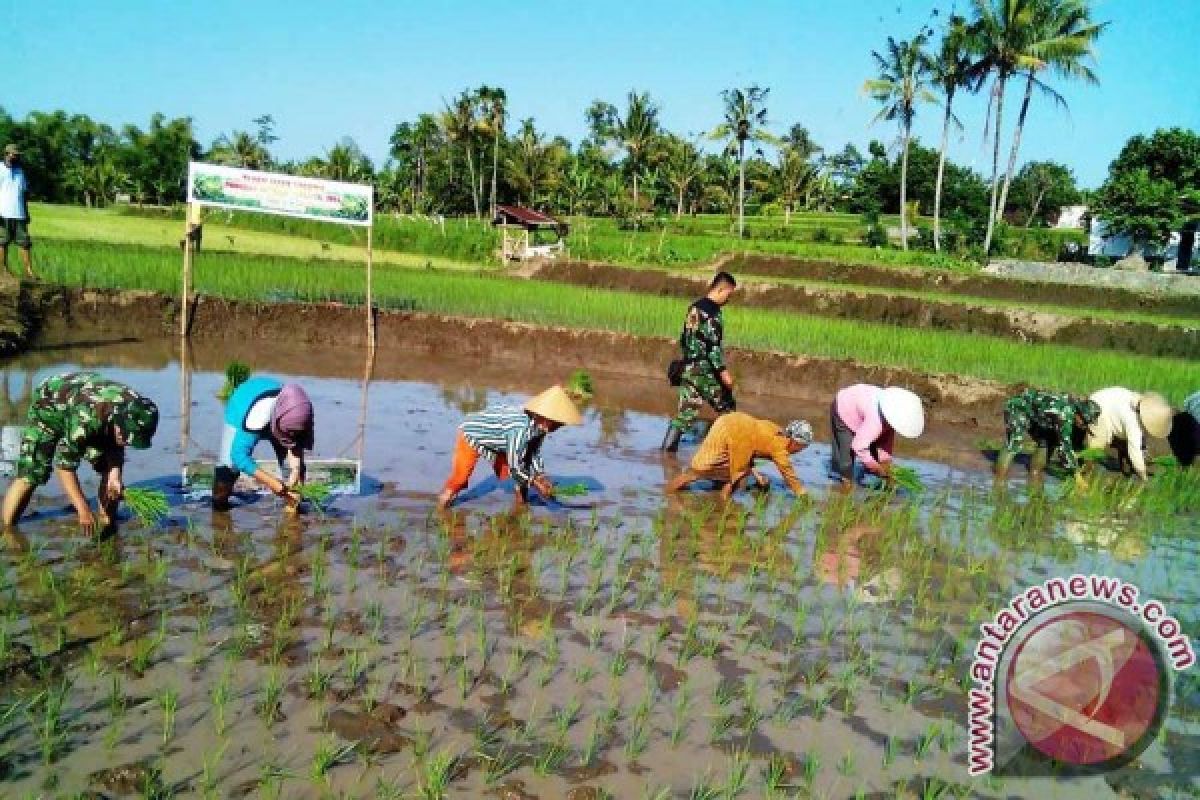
(639,643)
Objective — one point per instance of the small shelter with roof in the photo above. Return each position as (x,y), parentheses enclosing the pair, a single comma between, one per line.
(526,234)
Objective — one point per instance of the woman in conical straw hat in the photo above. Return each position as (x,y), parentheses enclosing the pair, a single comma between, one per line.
(865,420)
(1124,416)
(511,439)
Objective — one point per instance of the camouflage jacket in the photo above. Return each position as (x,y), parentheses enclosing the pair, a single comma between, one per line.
(700,341)
(77,408)
(1044,415)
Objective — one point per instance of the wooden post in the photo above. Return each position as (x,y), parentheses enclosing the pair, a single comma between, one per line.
(370,301)
(189,243)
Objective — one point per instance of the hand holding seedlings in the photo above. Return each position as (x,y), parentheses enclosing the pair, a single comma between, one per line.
(148,505)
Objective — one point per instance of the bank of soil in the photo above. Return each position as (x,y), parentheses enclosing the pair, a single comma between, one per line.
(18,302)
(421,336)
(976,285)
(1014,323)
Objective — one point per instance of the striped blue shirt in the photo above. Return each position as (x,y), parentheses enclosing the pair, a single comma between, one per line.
(507,431)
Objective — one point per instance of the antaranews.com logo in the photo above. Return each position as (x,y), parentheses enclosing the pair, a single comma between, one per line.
(1073,676)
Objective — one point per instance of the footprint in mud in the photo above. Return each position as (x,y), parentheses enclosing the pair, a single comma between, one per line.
(513,790)
(374,731)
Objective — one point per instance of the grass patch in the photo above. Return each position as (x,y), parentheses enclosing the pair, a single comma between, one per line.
(483,295)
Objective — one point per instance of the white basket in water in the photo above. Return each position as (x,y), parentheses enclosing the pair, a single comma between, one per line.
(10,449)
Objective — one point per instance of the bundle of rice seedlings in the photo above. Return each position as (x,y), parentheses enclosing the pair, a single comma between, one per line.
(907,478)
(148,505)
(236,373)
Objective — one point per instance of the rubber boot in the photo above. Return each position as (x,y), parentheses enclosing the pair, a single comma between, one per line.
(670,442)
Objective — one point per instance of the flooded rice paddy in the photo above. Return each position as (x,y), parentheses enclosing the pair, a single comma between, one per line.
(618,645)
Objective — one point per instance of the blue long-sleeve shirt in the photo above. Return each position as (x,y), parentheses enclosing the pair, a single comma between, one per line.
(507,431)
(237,408)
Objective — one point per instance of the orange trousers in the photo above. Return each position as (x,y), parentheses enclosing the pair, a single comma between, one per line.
(465,459)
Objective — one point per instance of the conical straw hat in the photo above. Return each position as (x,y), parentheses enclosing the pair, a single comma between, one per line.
(1156,415)
(903,411)
(555,404)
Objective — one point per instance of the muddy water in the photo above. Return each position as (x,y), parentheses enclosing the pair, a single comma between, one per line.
(629,644)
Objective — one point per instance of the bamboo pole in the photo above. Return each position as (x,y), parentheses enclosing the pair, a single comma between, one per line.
(187,273)
(185,401)
(370,301)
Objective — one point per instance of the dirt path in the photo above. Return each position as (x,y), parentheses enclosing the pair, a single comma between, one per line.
(1013,323)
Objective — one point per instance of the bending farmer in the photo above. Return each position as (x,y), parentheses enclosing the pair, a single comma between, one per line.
(511,439)
(264,408)
(733,443)
(1124,415)
(74,417)
(865,420)
(705,377)
(1050,419)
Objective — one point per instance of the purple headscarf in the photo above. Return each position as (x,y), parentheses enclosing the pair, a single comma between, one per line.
(292,422)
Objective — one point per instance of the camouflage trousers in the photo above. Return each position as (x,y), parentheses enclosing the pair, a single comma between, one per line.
(700,387)
(39,442)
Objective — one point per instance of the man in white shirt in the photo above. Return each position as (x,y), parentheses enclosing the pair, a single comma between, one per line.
(1124,415)
(14,209)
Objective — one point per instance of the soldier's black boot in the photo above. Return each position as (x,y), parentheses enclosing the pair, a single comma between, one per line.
(670,442)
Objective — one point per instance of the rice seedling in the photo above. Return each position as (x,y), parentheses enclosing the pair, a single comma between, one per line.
(148,505)
(168,703)
(846,766)
(51,726)
(925,741)
(208,771)
(637,738)
(593,742)
(329,754)
(738,778)
(890,747)
(550,758)
(220,695)
(774,775)
(436,773)
(270,704)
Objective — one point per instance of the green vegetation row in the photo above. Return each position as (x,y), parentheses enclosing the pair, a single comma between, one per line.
(492,296)
(663,241)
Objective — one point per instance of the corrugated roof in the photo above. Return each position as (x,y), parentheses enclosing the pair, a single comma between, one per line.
(523,216)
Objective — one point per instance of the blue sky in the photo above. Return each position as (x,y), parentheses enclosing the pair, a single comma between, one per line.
(355,68)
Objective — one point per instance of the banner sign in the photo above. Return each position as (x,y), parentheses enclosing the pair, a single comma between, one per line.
(277,193)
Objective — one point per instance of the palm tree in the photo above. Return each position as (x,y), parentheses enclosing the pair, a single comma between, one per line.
(681,168)
(1062,40)
(240,149)
(745,121)
(459,123)
(494,101)
(636,131)
(578,185)
(902,83)
(534,163)
(793,177)
(951,70)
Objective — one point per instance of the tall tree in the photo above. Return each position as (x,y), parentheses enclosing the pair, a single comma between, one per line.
(534,164)
(901,84)
(793,178)
(460,124)
(952,69)
(1043,187)
(636,132)
(681,168)
(1062,40)
(494,101)
(745,121)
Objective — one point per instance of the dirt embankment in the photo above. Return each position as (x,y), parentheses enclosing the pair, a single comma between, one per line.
(1020,324)
(413,335)
(980,285)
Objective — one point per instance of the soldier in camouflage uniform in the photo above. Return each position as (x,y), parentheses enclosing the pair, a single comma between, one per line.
(1051,420)
(75,417)
(705,376)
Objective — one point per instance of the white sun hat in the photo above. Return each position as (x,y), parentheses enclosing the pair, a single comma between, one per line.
(903,411)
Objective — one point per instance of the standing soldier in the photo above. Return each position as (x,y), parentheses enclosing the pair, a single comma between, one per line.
(705,377)
(1050,419)
(74,417)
